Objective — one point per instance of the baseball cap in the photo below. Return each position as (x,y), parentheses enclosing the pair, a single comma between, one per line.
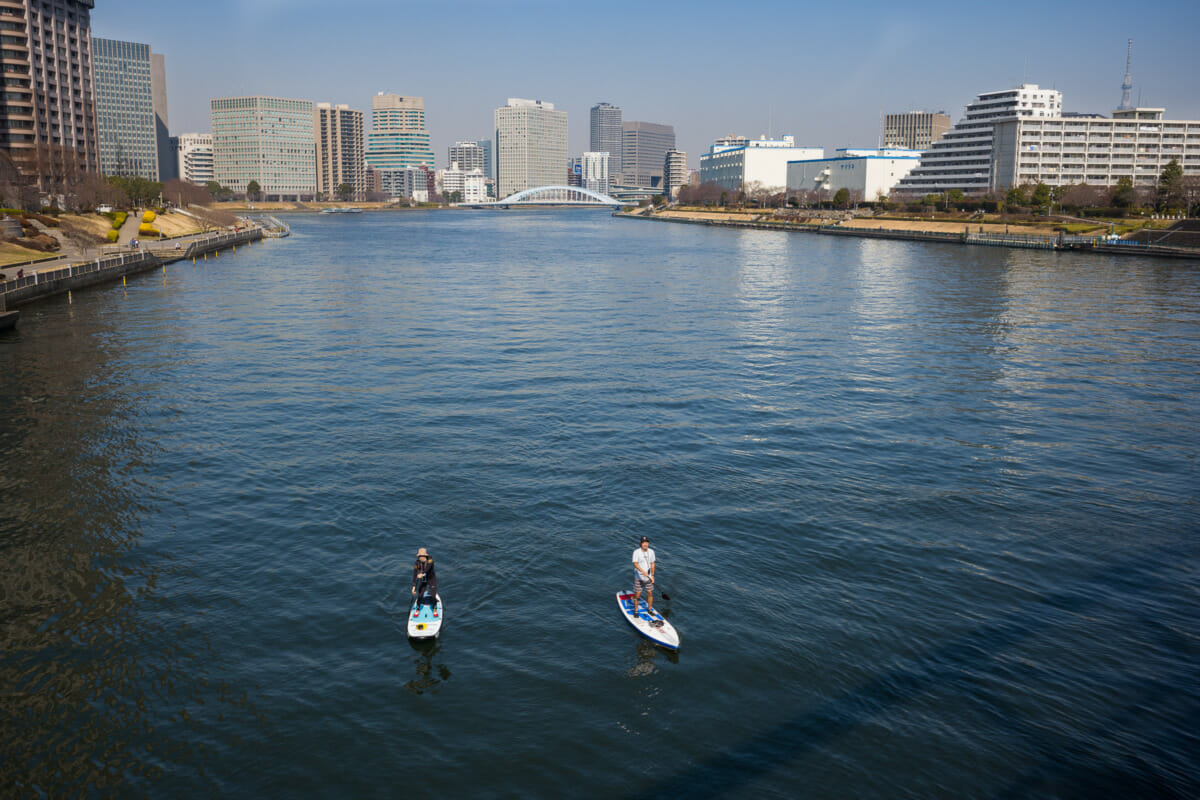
(644,539)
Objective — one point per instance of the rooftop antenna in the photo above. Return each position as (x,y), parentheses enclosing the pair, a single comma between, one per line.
(1127,86)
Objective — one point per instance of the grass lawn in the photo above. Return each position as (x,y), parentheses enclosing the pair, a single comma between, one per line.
(15,254)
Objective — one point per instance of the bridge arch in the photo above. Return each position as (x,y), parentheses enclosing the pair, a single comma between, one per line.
(556,196)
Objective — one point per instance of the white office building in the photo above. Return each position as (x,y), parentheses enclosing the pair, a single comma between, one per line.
(531,145)
(866,174)
(194,157)
(595,171)
(1137,143)
(962,159)
(268,140)
(471,184)
(734,162)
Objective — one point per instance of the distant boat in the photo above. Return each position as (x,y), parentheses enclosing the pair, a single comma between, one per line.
(342,210)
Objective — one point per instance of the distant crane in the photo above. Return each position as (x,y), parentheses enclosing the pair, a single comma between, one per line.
(1127,86)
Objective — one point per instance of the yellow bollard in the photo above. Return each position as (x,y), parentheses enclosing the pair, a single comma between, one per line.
(69,298)
(206,256)
(123,280)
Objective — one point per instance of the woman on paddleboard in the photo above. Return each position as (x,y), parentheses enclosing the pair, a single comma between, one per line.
(424,583)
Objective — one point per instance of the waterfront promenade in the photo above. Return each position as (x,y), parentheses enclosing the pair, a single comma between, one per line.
(26,283)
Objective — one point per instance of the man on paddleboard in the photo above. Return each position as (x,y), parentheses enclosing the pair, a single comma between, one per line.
(424,582)
(643,574)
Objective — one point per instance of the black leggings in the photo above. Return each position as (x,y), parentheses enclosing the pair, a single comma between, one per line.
(427,595)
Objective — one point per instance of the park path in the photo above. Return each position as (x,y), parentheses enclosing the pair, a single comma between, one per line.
(130,228)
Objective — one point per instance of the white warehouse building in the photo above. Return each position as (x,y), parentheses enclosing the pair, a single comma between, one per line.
(865,173)
(734,162)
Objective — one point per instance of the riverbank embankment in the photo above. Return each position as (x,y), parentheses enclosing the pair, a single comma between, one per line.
(39,284)
(988,235)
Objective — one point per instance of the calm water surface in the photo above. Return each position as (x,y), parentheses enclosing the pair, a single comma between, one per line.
(927,516)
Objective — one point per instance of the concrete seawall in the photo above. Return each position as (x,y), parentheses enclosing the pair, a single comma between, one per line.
(105,269)
(1021,241)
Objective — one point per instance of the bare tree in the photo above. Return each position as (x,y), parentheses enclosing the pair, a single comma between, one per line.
(1191,194)
(82,242)
(1080,196)
(210,218)
(184,193)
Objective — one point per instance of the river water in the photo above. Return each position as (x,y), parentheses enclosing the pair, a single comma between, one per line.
(926,514)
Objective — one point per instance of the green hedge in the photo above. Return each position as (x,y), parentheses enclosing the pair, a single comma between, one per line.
(113,235)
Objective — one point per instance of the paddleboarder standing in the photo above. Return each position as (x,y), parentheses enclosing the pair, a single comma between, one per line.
(643,574)
(424,582)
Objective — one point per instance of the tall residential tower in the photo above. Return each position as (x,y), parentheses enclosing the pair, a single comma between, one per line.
(49,110)
(338,131)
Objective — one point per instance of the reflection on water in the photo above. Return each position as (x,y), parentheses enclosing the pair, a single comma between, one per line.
(101,686)
(429,676)
(646,656)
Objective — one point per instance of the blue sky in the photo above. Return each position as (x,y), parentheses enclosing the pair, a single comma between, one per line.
(821,73)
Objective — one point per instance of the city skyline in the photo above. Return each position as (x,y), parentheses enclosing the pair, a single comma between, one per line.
(740,76)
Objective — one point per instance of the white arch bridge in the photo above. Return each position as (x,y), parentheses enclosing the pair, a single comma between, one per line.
(552,196)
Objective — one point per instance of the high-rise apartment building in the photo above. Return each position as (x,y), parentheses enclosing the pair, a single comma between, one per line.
(914,130)
(412,183)
(606,135)
(268,140)
(194,157)
(675,173)
(49,112)
(398,136)
(131,113)
(338,131)
(468,156)
(531,145)
(962,159)
(644,147)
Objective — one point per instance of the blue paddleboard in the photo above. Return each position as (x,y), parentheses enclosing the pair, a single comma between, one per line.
(648,623)
(425,622)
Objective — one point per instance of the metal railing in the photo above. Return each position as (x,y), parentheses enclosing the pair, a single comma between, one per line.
(115,258)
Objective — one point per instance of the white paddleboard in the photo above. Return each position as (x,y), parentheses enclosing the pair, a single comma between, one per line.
(426,624)
(648,623)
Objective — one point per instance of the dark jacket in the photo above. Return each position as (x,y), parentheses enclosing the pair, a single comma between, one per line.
(429,578)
